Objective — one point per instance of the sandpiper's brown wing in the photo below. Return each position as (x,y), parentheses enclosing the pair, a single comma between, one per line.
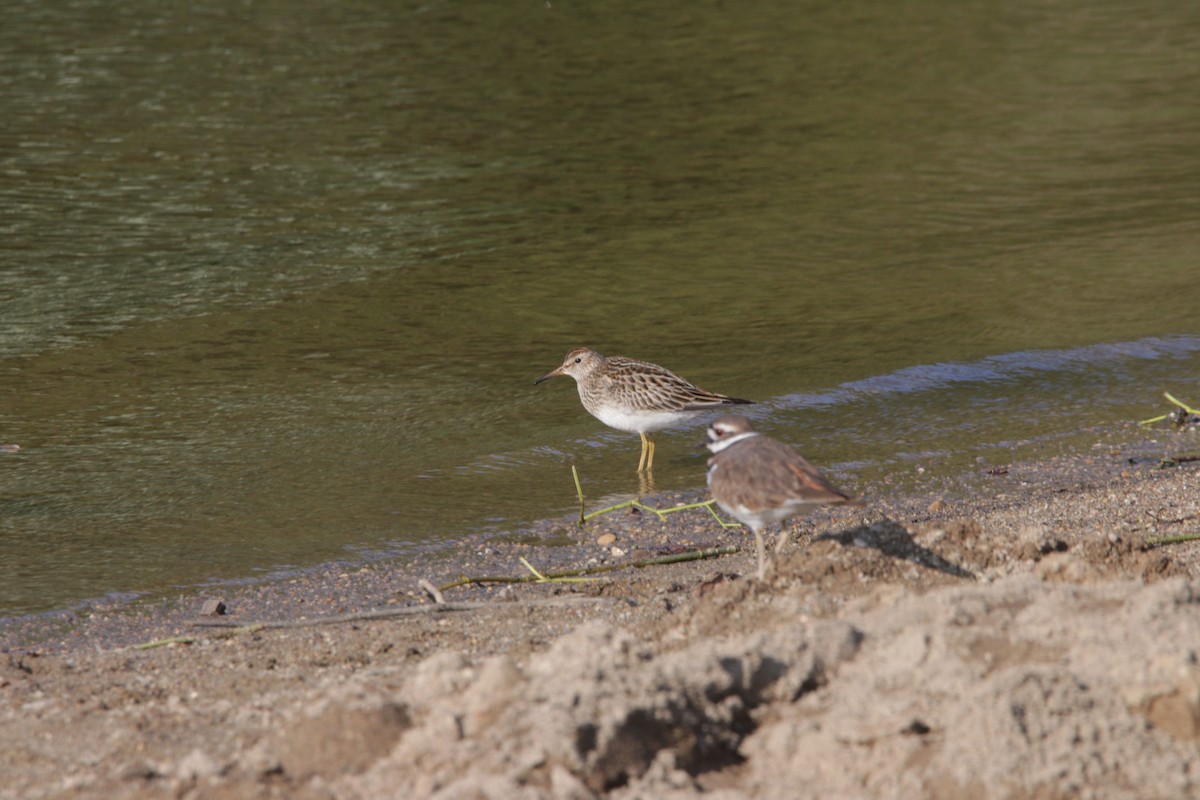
(643,385)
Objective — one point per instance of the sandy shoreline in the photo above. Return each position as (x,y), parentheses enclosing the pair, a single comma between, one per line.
(1004,633)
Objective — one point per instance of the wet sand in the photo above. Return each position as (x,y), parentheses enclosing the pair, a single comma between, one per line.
(1006,632)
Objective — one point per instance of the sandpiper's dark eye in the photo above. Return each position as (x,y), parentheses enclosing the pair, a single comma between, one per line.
(579,360)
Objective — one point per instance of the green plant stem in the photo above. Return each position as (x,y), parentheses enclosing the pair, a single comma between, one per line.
(1177,459)
(1177,402)
(192,639)
(579,491)
(165,642)
(661,513)
(637,503)
(1156,541)
(540,578)
(1181,404)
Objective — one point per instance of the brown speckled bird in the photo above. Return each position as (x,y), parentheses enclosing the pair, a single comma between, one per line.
(635,396)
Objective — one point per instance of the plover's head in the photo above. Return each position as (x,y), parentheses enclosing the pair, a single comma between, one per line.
(726,430)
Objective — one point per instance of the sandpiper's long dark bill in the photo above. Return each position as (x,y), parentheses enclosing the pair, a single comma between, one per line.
(759,481)
(636,396)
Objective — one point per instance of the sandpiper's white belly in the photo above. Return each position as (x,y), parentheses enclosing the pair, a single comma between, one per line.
(637,421)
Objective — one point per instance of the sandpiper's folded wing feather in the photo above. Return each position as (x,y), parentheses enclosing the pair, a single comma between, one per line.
(650,386)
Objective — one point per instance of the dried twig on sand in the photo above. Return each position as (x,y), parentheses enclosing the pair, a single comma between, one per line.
(538,577)
(398,611)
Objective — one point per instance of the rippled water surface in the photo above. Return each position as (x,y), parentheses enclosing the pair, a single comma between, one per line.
(276,279)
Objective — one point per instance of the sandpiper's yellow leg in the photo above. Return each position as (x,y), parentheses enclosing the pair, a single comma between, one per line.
(642,460)
(650,460)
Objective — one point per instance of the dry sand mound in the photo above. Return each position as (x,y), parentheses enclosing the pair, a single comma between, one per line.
(1018,689)
(1017,642)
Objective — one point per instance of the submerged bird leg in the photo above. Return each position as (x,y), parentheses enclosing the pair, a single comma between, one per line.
(642,461)
(646,485)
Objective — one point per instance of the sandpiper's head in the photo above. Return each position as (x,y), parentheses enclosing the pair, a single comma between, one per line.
(578,364)
(725,430)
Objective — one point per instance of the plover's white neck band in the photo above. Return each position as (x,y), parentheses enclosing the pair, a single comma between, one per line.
(721,444)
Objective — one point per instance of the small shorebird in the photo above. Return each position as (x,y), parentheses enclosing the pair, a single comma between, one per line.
(635,396)
(758,480)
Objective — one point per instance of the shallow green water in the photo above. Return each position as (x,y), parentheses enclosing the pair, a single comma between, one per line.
(275,280)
